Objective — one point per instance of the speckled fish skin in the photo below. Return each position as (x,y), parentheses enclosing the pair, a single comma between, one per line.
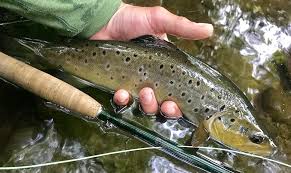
(198,89)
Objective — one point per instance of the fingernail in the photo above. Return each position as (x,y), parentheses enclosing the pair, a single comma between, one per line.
(121,97)
(207,26)
(171,111)
(147,98)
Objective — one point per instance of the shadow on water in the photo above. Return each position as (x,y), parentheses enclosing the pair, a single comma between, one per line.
(249,37)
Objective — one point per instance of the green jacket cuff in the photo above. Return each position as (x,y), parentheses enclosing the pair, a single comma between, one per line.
(101,17)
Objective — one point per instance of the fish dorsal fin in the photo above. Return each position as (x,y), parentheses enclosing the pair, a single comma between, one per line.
(152,41)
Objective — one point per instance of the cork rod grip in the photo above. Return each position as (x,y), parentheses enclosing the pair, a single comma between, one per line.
(48,87)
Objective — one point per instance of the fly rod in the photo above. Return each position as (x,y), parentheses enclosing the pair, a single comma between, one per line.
(63,94)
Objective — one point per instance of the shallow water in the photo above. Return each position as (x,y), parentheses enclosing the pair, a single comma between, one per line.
(249,36)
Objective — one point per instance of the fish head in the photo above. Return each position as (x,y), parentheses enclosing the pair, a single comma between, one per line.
(238,133)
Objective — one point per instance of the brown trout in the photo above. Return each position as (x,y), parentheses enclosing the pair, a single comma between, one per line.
(198,89)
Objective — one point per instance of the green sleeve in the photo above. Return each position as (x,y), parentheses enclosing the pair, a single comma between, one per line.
(69,17)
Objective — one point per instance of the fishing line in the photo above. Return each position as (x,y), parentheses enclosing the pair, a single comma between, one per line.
(14,22)
(138,149)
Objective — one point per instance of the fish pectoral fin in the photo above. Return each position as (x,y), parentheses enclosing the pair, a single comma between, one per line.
(199,136)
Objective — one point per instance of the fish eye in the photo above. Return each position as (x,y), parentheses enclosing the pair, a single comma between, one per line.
(256,138)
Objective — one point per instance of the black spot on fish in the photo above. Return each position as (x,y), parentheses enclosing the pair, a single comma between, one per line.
(161,66)
(107,66)
(111,78)
(172,66)
(104,52)
(189,101)
(145,51)
(232,120)
(117,52)
(82,51)
(86,61)
(135,55)
(170,94)
(156,84)
(171,82)
(236,111)
(183,94)
(198,83)
(206,110)
(140,80)
(179,85)
(202,97)
(159,54)
(219,97)
(196,110)
(190,82)
(183,73)
(222,108)
(140,69)
(219,118)
(212,89)
(145,74)
(207,118)
(173,71)
(150,57)
(123,77)
(127,59)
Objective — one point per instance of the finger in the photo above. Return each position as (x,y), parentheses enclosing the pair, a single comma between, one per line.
(121,97)
(171,110)
(162,21)
(148,101)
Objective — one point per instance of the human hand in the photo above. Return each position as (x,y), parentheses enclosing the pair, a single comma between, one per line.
(133,21)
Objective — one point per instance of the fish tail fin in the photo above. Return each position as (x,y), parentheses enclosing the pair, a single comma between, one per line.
(23,48)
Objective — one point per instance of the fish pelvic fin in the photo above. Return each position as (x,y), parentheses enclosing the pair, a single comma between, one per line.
(199,136)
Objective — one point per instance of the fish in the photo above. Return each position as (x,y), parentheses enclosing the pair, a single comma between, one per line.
(198,89)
